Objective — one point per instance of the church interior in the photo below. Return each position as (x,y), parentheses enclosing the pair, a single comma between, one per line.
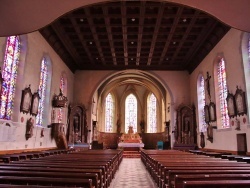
(88,88)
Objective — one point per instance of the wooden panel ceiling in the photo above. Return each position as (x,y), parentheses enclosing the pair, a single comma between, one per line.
(141,35)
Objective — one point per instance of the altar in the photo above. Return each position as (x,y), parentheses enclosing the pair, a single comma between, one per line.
(130,141)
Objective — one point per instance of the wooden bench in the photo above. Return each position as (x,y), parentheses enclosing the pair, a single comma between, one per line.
(46,181)
(217,184)
(93,176)
(179,179)
(172,173)
(74,171)
(56,171)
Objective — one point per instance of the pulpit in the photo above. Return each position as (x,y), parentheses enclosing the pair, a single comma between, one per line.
(130,141)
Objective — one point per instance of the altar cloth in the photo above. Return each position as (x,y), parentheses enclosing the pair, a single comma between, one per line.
(127,145)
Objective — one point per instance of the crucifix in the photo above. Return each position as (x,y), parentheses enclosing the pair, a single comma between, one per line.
(208,85)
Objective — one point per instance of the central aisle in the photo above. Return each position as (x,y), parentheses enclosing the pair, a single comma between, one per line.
(132,174)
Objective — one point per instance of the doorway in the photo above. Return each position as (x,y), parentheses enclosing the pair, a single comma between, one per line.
(242,144)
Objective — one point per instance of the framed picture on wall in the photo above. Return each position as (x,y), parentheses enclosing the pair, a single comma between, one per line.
(212,112)
(240,102)
(34,104)
(26,100)
(231,105)
(206,110)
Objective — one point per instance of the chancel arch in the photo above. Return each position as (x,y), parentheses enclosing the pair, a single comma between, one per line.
(140,85)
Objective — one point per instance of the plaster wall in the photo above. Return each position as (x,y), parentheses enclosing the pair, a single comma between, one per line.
(12,132)
(230,49)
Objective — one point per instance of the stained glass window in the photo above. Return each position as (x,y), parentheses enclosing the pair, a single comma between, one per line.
(61,110)
(152,120)
(222,85)
(249,47)
(131,112)
(42,91)
(9,73)
(109,113)
(201,103)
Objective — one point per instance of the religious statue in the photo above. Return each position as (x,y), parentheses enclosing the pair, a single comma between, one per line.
(130,130)
(186,130)
(142,125)
(118,124)
(29,129)
(208,85)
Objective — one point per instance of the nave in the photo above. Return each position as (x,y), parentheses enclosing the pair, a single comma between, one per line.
(132,174)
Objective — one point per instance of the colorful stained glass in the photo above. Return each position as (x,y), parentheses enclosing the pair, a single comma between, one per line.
(201,104)
(131,112)
(222,85)
(9,73)
(61,110)
(42,91)
(109,113)
(152,120)
(249,47)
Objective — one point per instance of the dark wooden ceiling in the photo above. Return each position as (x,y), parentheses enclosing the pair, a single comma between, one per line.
(141,35)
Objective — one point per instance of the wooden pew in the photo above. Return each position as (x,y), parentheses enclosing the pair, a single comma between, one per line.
(217,184)
(47,181)
(36,170)
(93,176)
(180,179)
(163,166)
(97,166)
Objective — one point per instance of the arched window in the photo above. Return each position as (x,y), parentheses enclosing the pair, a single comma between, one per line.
(9,73)
(42,91)
(152,120)
(245,48)
(61,112)
(131,112)
(222,95)
(201,103)
(109,113)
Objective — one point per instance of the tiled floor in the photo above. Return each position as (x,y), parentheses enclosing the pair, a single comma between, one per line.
(132,174)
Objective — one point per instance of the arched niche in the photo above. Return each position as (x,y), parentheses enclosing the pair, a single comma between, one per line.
(77,126)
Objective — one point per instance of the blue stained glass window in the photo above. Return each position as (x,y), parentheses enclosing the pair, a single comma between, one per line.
(131,112)
(42,91)
(201,104)
(9,73)
(109,113)
(61,110)
(222,84)
(152,119)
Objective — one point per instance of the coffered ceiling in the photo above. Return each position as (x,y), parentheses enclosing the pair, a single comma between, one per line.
(145,35)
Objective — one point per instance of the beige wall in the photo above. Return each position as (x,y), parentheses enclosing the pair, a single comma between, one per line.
(13,137)
(230,48)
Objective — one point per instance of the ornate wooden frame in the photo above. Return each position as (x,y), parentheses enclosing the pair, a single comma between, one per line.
(212,112)
(26,100)
(231,105)
(240,102)
(34,104)
(207,116)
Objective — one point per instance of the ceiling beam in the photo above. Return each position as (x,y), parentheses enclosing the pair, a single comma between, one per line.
(139,39)
(199,41)
(155,34)
(82,40)
(190,26)
(66,42)
(108,28)
(93,30)
(124,31)
(172,31)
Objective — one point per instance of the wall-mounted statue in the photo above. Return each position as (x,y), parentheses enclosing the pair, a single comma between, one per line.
(29,129)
